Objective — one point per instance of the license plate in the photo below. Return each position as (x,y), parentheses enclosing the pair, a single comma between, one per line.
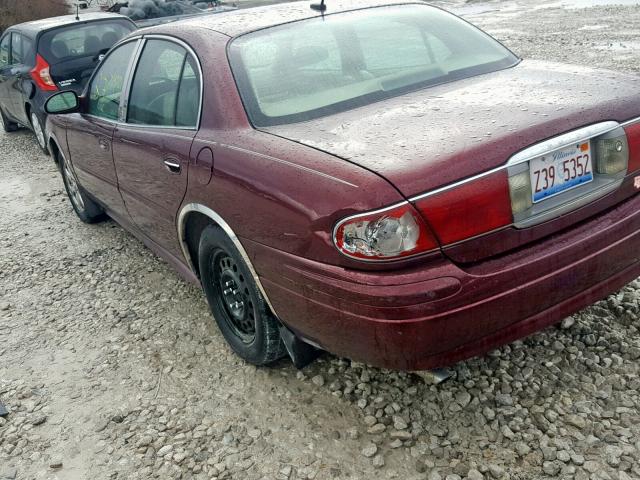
(560,171)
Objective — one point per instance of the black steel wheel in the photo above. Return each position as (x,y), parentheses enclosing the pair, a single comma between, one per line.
(234,297)
(237,305)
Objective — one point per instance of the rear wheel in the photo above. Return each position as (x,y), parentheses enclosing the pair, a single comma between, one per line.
(236,302)
(7,125)
(87,210)
(38,131)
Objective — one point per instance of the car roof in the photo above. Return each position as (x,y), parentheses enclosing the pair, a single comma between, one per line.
(37,26)
(241,21)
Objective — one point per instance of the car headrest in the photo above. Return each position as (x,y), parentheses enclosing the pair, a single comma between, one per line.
(60,49)
(109,39)
(92,44)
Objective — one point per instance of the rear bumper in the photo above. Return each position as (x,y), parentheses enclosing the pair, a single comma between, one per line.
(437,313)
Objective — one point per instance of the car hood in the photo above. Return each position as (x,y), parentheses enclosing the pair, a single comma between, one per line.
(436,136)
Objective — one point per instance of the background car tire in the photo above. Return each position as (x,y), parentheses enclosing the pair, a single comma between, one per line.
(250,328)
(38,132)
(7,125)
(87,210)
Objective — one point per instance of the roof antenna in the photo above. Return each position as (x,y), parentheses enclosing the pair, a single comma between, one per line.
(78,11)
(319,7)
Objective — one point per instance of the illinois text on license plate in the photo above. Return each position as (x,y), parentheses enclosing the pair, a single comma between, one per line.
(560,171)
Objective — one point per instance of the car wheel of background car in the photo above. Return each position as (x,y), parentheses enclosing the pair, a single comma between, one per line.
(38,131)
(87,210)
(7,126)
(236,303)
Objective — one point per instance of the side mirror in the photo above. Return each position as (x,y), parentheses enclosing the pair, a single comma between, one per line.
(63,102)
(83,5)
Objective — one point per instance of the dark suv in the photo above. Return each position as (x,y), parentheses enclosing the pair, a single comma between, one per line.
(38,58)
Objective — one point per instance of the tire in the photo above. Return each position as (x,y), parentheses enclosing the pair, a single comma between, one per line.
(7,125)
(87,210)
(38,132)
(237,305)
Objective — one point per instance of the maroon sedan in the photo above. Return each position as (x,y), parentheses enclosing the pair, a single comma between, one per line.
(385,182)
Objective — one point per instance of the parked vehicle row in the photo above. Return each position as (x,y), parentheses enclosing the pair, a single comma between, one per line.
(380,180)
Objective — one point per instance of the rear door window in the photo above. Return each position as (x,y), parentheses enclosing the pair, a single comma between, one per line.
(5,50)
(165,89)
(86,40)
(20,49)
(106,87)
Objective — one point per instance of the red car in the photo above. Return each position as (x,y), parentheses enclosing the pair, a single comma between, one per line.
(382,181)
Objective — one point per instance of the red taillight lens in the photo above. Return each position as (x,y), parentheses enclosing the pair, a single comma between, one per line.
(41,76)
(469,209)
(386,234)
(633,139)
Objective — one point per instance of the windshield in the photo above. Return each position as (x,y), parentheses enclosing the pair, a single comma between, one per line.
(317,67)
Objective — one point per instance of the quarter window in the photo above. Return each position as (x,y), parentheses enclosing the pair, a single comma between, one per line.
(106,86)
(166,88)
(20,48)
(188,95)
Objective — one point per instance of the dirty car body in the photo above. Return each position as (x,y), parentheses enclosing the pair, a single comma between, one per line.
(399,197)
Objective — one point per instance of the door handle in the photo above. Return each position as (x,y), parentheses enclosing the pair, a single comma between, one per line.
(172,166)
(103,143)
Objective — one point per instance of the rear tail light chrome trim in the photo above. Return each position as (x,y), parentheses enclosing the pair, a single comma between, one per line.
(562,141)
(609,167)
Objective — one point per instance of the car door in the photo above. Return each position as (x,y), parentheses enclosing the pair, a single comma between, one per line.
(5,71)
(152,148)
(90,134)
(21,53)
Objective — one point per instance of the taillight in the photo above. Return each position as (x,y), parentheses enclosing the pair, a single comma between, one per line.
(41,76)
(469,209)
(386,234)
(633,139)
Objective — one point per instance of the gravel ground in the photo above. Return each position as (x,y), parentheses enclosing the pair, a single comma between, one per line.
(111,366)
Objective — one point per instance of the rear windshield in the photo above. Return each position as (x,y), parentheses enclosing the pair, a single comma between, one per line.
(85,40)
(317,67)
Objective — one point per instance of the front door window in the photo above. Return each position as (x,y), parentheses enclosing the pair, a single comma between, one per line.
(106,87)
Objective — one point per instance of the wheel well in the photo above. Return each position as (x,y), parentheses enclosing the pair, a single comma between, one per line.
(194,225)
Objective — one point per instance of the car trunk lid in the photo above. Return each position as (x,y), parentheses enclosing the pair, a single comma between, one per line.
(436,137)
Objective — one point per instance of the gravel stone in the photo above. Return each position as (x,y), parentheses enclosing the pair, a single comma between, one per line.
(378,461)
(370,450)
(474,474)
(592,466)
(551,468)
(164,450)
